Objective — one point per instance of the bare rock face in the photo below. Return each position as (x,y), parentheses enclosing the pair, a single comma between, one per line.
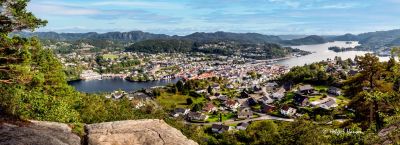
(135,132)
(390,134)
(37,133)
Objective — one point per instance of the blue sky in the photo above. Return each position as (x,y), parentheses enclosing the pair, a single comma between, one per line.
(181,17)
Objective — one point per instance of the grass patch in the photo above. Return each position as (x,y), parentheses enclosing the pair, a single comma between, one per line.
(256,107)
(342,101)
(170,101)
(110,56)
(288,98)
(315,98)
(321,88)
(215,117)
(78,129)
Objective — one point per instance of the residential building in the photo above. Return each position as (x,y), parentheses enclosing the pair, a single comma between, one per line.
(306,89)
(288,111)
(334,91)
(180,112)
(331,103)
(209,107)
(232,104)
(219,128)
(244,113)
(242,126)
(266,108)
(300,100)
(196,116)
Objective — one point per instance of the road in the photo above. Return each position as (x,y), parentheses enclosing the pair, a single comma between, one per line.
(231,121)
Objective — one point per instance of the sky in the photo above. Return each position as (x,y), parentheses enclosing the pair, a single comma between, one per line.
(182,17)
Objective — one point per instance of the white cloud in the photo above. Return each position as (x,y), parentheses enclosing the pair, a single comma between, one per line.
(339,6)
(139,4)
(290,3)
(61,10)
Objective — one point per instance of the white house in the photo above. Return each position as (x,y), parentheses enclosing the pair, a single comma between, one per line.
(288,111)
(279,94)
(331,103)
(180,112)
(219,128)
(266,100)
(232,104)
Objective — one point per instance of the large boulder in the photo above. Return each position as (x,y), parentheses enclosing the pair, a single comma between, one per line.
(135,132)
(37,133)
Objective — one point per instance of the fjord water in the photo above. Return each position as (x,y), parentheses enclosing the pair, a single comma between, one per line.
(320,52)
(109,85)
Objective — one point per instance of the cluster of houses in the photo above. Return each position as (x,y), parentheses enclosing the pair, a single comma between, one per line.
(241,106)
(302,99)
(265,97)
(139,99)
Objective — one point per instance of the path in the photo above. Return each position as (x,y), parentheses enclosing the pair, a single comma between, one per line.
(231,121)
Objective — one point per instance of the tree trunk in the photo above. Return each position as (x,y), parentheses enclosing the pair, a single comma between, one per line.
(371,114)
(377,117)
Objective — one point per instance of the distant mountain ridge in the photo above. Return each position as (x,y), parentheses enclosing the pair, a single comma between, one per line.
(228,36)
(136,36)
(309,40)
(133,36)
(370,40)
(374,40)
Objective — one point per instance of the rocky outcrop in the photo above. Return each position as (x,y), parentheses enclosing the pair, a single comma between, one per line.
(390,134)
(37,133)
(132,132)
(135,132)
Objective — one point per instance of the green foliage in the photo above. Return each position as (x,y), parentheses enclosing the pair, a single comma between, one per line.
(189,101)
(162,46)
(15,17)
(313,39)
(269,132)
(33,84)
(314,74)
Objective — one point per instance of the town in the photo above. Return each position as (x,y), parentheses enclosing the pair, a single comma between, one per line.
(229,97)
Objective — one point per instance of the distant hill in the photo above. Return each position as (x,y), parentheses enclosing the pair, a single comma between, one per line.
(133,36)
(227,36)
(309,40)
(136,36)
(374,40)
(247,50)
(291,37)
(346,37)
(395,42)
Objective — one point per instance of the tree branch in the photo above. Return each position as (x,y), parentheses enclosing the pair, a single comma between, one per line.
(6,81)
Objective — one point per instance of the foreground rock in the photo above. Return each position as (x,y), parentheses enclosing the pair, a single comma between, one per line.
(390,134)
(37,133)
(135,132)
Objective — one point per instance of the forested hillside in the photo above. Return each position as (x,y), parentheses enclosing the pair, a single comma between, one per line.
(374,40)
(33,84)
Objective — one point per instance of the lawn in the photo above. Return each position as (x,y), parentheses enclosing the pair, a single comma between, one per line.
(215,117)
(171,101)
(110,56)
(288,98)
(319,88)
(315,98)
(342,101)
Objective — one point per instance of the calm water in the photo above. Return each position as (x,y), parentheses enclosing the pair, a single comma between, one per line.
(321,52)
(109,85)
